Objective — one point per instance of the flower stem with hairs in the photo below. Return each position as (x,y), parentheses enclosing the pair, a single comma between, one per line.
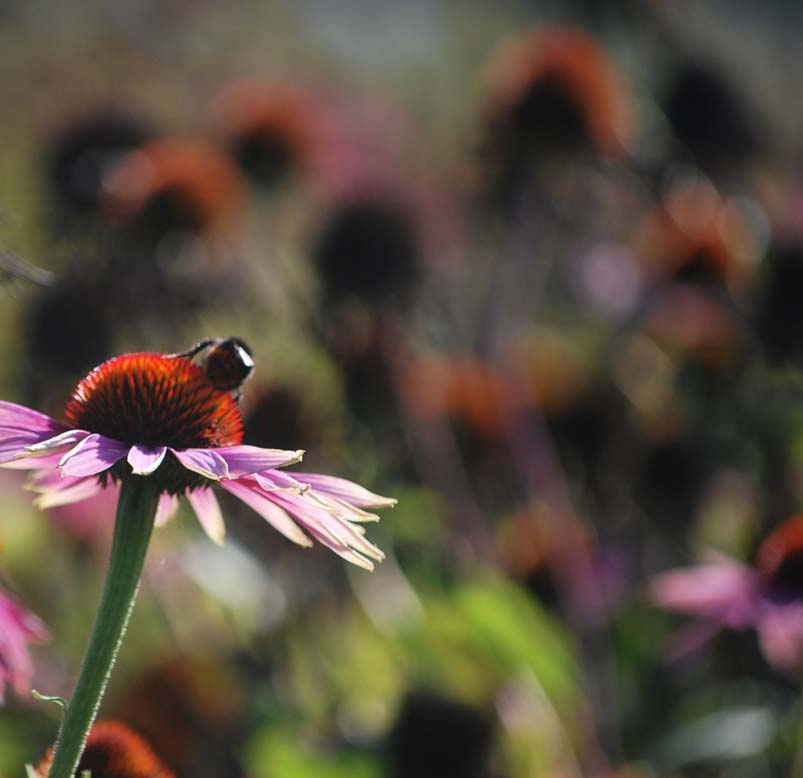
(132,533)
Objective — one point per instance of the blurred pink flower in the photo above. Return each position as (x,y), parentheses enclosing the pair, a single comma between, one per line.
(18,627)
(161,416)
(767,596)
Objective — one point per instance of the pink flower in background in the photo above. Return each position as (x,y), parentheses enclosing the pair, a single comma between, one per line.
(18,627)
(767,596)
(164,417)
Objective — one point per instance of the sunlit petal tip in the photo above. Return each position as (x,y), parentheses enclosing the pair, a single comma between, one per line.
(345,490)
(248,460)
(360,561)
(378,501)
(145,461)
(280,481)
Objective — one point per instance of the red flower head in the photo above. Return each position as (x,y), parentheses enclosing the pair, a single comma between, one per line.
(463,390)
(271,128)
(556,87)
(694,235)
(779,558)
(176,183)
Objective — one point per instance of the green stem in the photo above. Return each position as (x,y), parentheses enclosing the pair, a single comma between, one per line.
(133,526)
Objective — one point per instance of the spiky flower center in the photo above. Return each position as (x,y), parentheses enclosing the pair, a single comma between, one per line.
(155,400)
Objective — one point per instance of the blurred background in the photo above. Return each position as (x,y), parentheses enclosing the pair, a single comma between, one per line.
(533,268)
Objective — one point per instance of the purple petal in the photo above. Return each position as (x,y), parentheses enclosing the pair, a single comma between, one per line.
(13,416)
(166,509)
(145,461)
(15,444)
(251,495)
(245,460)
(21,427)
(345,490)
(207,509)
(92,455)
(205,461)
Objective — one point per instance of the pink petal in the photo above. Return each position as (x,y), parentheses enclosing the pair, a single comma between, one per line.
(207,509)
(74,490)
(13,416)
(166,509)
(205,461)
(245,460)
(51,478)
(252,496)
(340,548)
(329,527)
(346,510)
(277,480)
(725,591)
(345,490)
(50,461)
(145,461)
(780,633)
(92,455)
(17,628)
